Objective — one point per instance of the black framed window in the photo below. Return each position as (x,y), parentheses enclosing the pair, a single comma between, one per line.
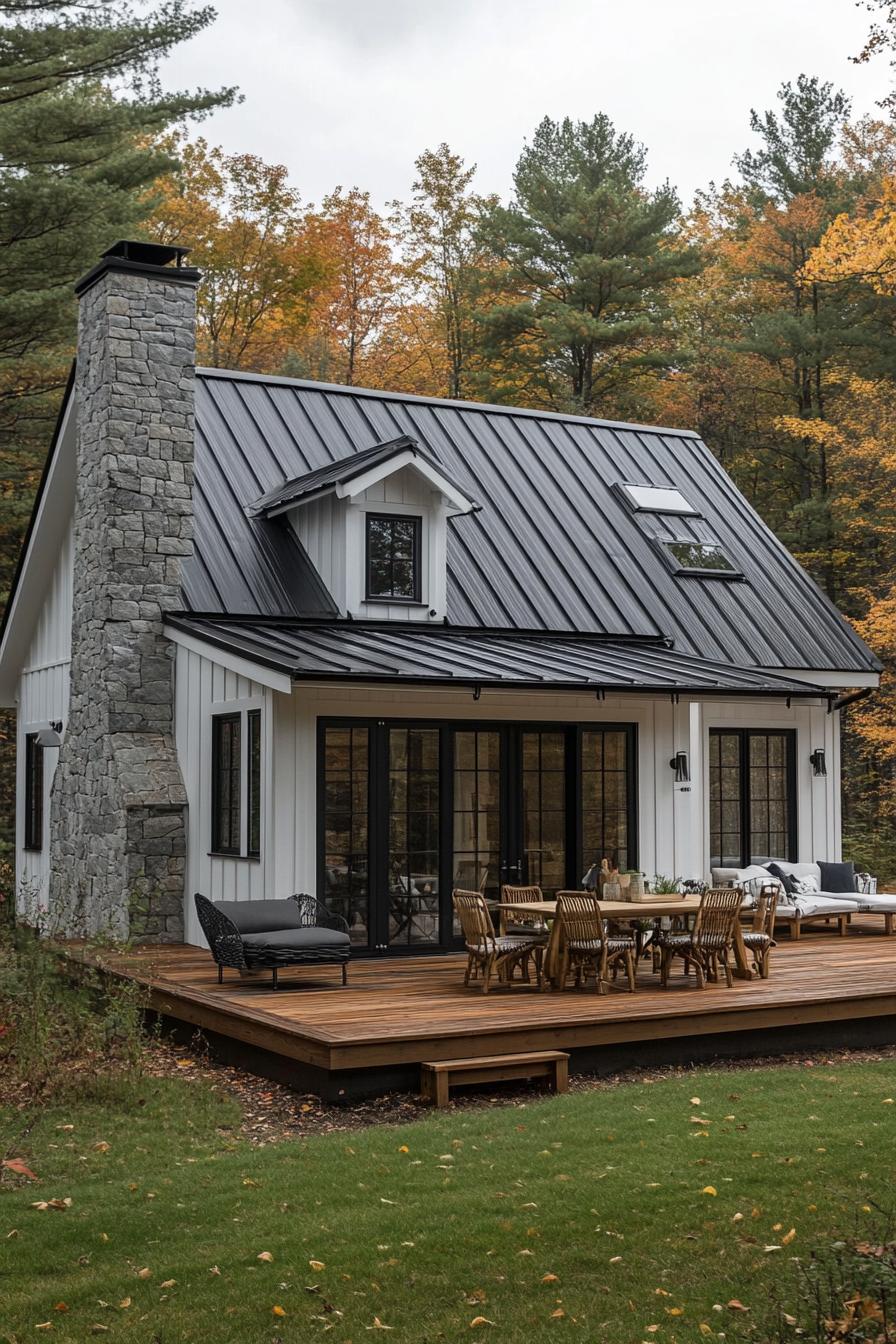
(226,782)
(34,793)
(253,802)
(608,797)
(393,548)
(752,796)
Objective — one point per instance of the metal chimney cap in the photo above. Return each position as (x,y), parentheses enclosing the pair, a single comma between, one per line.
(147,254)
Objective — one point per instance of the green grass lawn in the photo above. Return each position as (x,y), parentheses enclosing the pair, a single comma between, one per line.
(613,1214)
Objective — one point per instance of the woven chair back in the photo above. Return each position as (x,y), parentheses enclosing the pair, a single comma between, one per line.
(580,918)
(717,916)
(475,920)
(524,895)
(766,909)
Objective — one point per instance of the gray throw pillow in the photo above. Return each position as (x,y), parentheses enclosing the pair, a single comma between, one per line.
(838,877)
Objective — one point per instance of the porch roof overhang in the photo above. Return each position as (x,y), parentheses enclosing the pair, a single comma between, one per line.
(429,655)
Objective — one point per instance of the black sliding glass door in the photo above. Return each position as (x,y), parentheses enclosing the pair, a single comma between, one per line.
(409,811)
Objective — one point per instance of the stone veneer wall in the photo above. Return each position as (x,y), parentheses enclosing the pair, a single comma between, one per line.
(118,805)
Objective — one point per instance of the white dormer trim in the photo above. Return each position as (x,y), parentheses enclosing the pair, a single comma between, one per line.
(456,501)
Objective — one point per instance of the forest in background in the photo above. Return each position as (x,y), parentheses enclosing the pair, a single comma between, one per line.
(762,313)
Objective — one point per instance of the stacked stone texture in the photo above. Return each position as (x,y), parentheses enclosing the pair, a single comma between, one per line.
(118,811)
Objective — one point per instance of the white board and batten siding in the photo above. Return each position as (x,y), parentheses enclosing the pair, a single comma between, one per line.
(205,688)
(43,699)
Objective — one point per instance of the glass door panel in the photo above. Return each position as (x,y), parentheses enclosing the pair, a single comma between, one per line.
(476,818)
(346,790)
(543,820)
(606,798)
(413,837)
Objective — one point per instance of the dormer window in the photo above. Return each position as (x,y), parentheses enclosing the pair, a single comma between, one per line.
(393,558)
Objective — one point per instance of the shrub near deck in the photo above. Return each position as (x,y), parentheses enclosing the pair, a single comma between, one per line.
(616,1211)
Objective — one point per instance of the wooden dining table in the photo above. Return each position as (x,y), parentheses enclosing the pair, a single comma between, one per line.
(621,912)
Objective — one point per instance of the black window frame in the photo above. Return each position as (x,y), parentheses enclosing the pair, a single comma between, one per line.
(229,850)
(416,520)
(744,735)
(253,783)
(682,571)
(34,793)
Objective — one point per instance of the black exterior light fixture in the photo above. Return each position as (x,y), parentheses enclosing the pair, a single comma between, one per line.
(50,736)
(817,761)
(679,764)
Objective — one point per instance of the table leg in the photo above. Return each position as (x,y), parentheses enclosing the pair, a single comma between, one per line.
(742,971)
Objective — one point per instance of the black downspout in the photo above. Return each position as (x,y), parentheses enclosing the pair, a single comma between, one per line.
(842,701)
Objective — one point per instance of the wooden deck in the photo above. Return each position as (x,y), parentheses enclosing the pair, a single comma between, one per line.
(396,1014)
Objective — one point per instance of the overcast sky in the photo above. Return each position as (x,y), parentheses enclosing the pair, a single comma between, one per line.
(351,91)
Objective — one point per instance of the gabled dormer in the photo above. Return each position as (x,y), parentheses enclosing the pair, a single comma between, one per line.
(375,527)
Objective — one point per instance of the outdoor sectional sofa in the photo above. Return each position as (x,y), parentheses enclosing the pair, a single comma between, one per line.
(796,909)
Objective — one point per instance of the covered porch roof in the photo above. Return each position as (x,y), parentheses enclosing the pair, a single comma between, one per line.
(346,651)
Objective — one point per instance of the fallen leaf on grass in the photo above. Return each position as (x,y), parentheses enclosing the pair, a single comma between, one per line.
(144,1273)
(61,1306)
(674,1311)
(736,1305)
(476,1298)
(695,1101)
(377,1325)
(705,1329)
(124,1303)
(215,1270)
(44,1325)
(266,1257)
(98,1329)
(316,1265)
(277,1311)
(709,1190)
(169,1283)
(476,1322)
(558,1314)
(550,1278)
(59,1204)
(15,1164)
(788,1237)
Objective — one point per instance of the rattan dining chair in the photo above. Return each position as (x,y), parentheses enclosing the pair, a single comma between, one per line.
(759,939)
(710,943)
(584,943)
(488,951)
(517,923)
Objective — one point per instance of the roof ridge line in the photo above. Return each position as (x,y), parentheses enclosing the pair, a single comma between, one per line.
(384,394)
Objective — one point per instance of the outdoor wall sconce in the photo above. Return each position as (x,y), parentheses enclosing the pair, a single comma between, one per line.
(50,737)
(679,764)
(817,762)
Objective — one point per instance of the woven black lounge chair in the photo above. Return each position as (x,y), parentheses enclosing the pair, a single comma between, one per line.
(268,935)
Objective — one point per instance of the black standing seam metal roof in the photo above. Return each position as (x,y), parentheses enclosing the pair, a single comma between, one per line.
(352,651)
(340,473)
(552,549)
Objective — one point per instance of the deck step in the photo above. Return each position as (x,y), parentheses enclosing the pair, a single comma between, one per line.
(437,1078)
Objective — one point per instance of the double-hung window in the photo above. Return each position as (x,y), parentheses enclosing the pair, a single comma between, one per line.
(236,783)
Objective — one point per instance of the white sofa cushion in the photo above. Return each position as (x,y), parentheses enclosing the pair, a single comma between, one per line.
(818,906)
(883,901)
(799,869)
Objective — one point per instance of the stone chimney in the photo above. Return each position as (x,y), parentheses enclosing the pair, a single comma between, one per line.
(118,805)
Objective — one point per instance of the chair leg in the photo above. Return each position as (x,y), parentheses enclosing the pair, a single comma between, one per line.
(274,978)
(220,974)
(345,972)
(486,973)
(630,964)
(729,978)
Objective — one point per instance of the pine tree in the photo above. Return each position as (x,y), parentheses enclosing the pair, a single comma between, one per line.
(80,113)
(586,256)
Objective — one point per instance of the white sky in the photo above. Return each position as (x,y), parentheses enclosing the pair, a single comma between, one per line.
(351,91)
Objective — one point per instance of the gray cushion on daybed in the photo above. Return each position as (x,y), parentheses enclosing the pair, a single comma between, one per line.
(294,938)
(252,917)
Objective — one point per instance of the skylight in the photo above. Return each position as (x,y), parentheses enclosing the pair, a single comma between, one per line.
(655,498)
(706,559)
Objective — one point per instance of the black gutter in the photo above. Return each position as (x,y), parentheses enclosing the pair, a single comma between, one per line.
(843,700)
